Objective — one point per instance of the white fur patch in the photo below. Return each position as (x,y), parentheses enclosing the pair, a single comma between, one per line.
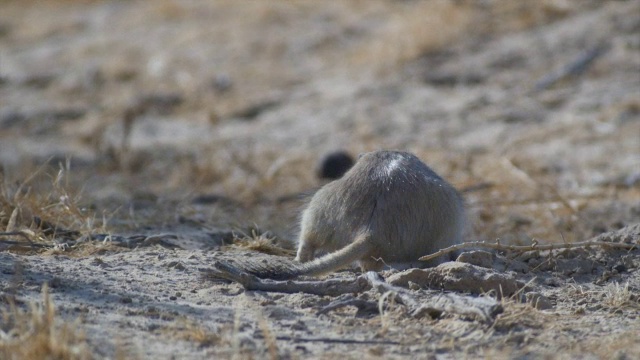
(392,166)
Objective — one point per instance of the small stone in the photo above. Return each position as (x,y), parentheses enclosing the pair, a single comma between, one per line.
(176,265)
(581,302)
(222,83)
(56,282)
(538,301)
(620,268)
(553,282)
(457,276)
(477,257)
(9,119)
(414,286)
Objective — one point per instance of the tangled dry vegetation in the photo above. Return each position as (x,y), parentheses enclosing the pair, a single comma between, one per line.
(36,333)
(44,214)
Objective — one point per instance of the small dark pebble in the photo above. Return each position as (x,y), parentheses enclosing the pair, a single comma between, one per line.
(176,265)
(38,81)
(9,119)
(221,83)
(451,79)
(5,29)
(253,111)
(620,268)
(56,282)
(159,104)
(208,199)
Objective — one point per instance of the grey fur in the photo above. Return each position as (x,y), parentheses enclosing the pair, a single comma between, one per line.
(389,208)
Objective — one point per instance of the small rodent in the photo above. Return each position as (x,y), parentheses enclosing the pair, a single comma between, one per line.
(389,208)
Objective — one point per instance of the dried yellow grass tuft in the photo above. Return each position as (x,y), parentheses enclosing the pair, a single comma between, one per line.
(264,242)
(43,207)
(36,334)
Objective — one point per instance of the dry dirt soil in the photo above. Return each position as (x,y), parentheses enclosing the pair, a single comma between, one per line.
(142,140)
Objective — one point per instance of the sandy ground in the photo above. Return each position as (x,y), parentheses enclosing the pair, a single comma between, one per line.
(151,138)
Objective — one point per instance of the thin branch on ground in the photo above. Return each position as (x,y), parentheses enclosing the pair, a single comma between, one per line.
(362,305)
(483,308)
(21,244)
(576,67)
(327,287)
(338,341)
(533,247)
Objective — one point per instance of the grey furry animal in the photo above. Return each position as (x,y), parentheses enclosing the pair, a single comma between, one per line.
(389,208)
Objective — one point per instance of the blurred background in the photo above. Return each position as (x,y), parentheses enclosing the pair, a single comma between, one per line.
(172,114)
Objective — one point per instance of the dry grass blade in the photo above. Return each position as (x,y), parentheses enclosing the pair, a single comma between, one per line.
(42,208)
(619,296)
(35,334)
(257,240)
(192,331)
(11,224)
(269,337)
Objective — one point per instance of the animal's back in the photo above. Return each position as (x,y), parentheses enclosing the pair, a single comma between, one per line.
(406,209)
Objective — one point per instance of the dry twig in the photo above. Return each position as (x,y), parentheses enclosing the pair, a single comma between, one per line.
(481,307)
(330,287)
(533,247)
(576,67)
(362,305)
(14,244)
(338,341)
